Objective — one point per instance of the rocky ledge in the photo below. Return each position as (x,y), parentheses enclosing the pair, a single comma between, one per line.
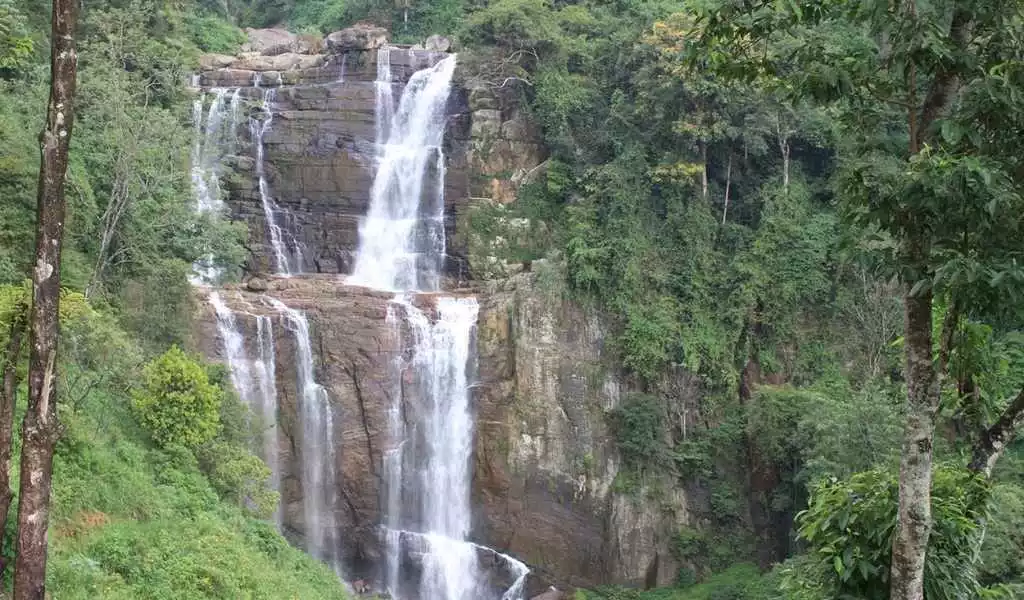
(544,462)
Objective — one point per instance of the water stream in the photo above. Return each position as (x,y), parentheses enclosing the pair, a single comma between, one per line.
(288,258)
(316,445)
(401,239)
(427,468)
(254,379)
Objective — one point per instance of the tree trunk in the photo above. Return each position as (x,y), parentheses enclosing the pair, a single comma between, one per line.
(728,184)
(41,427)
(7,403)
(704,170)
(914,516)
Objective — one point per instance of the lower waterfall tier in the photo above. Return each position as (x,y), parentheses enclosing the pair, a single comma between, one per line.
(543,460)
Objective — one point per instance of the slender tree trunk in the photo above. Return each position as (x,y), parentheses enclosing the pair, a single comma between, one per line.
(784,150)
(728,184)
(914,515)
(704,170)
(41,427)
(7,403)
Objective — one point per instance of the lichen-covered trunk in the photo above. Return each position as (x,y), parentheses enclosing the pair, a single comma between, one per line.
(41,427)
(7,402)
(914,516)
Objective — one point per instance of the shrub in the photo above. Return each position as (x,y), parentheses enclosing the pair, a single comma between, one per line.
(176,403)
(239,477)
(637,426)
(213,34)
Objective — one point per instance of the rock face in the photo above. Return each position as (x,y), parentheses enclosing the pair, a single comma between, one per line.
(544,463)
(361,36)
(320,147)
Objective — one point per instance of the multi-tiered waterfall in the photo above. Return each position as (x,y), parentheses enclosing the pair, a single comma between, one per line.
(402,246)
(306,430)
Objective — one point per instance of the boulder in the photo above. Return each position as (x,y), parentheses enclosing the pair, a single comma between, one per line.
(280,62)
(361,36)
(437,43)
(270,42)
(210,62)
(256,285)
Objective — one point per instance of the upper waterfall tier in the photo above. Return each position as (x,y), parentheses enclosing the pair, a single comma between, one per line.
(320,155)
(402,238)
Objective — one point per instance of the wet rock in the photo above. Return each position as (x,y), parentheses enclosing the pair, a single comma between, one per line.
(437,43)
(270,42)
(209,62)
(361,36)
(256,285)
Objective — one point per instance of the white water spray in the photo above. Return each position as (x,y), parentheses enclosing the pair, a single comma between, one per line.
(316,444)
(254,379)
(401,240)
(286,261)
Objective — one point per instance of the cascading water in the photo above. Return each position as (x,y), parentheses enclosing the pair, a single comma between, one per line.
(316,444)
(402,247)
(286,261)
(254,379)
(401,240)
(215,136)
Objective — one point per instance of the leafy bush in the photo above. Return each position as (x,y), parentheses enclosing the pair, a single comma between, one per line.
(639,434)
(213,34)
(177,404)
(849,526)
(239,477)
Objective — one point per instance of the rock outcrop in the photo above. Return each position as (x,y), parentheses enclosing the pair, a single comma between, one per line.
(544,464)
(359,37)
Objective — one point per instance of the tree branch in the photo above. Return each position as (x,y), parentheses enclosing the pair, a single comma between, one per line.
(996,438)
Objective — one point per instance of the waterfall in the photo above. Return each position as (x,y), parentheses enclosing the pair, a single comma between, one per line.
(286,262)
(215,136)
(316,445)
(254,379)
(401,239)
(384,102)
(402,249)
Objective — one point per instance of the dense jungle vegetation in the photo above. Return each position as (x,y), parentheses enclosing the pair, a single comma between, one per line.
(755,192)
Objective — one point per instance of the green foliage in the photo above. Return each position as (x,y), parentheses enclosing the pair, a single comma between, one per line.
(739,582)
(638,426)
(130,520)
(16,45)
(849,526)
(176,402)
(212,34)
(239,477)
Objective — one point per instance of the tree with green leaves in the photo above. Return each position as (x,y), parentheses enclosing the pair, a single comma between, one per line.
(919,91)
(176,402)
